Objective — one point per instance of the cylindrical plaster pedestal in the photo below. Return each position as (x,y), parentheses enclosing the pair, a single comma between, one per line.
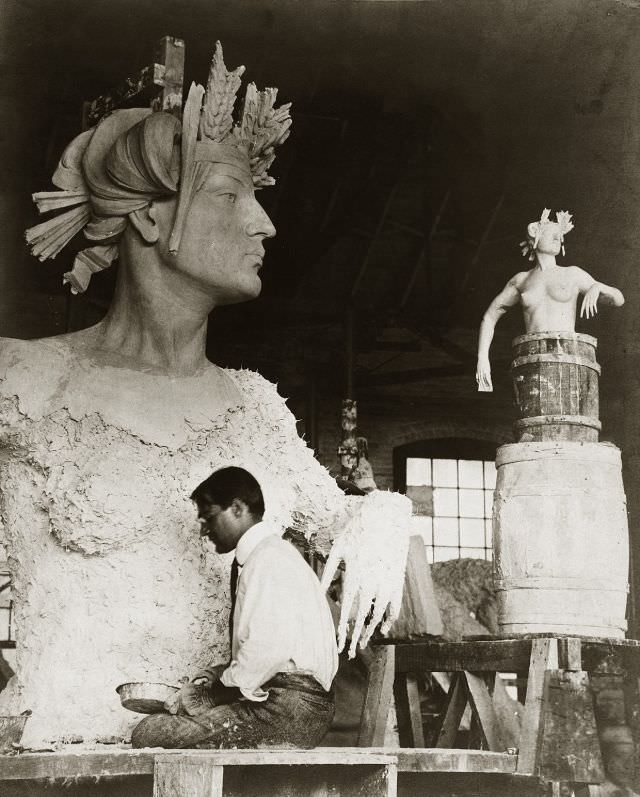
(560,539)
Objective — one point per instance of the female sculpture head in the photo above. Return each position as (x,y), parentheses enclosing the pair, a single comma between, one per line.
(546,236)
(186,189)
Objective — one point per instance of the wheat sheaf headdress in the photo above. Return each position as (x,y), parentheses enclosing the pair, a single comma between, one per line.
(209,133)
(129,159)
(563,219)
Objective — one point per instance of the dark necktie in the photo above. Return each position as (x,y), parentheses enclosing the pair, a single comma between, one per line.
(235,567)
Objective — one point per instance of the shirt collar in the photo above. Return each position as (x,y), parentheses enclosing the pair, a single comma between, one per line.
(253,537)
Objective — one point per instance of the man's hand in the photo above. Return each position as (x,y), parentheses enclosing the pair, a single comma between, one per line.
(192,699)
(173,704)
(590,301)
(195,696)
(483,376)
(210,675)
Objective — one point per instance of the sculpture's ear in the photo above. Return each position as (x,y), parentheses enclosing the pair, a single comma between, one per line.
(144,221)
(533,228)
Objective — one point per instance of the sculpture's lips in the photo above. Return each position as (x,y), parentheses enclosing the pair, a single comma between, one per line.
(257,258)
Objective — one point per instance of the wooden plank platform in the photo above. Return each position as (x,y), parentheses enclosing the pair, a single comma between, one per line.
(429,759)
(61,766)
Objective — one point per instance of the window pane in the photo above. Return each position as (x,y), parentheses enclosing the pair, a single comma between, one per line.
(488,530)
(422,525)
(445,473)
(471,503)
(442,554)
(488,503)
(445,502)
(473,553)
(429,550)
(490,475)
(472,533)
(418,471)
(470,473)
(445,531)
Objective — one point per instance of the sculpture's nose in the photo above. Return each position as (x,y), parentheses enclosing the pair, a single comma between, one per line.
(258,223)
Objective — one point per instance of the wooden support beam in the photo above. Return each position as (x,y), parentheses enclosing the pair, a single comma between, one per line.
(481,655)
(413,375)
(569,747)
(423,257)
(449,347)
(482,705)
(570,654)
(485,235)
(181,776)
(419,613)
(452,715)
(200,773)
(544,656)
(407,695)
(365,260)
(377,701)
(158,85)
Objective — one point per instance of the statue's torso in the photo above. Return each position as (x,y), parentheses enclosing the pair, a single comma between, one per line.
(549,299)
(112,581)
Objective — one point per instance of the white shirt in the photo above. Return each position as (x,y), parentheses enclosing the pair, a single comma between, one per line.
(282,621)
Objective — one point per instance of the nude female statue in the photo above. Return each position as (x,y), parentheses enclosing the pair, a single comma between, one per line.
(548,292)
(104,432)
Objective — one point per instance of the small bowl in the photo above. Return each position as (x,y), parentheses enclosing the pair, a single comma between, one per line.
(11,729)
(145,698)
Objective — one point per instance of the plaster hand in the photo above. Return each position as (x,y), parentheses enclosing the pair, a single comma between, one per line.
(590,301)
(483,376)
(373,547)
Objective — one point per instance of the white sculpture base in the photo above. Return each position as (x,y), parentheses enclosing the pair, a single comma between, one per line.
(560,535)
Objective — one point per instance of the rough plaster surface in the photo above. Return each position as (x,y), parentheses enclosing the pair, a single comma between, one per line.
(111,580)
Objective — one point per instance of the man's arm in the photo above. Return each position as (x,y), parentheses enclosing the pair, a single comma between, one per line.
(508,297)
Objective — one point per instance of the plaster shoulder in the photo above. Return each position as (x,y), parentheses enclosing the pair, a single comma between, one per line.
(34,373)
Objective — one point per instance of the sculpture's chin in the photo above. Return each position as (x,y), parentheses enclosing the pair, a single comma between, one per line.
(250,289)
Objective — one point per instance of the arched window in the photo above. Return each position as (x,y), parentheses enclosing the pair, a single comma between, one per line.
(450,482)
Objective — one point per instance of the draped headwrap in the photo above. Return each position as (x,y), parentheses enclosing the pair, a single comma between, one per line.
(135,156)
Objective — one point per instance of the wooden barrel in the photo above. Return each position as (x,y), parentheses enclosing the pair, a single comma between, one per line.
(560,539)
(555,382)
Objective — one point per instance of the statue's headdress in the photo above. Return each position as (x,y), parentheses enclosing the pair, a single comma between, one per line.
(563,219)
(134,156)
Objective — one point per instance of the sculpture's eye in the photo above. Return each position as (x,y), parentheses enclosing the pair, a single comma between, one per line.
(230,197)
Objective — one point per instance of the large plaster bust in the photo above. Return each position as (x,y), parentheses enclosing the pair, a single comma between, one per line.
(104,432)
(548,292)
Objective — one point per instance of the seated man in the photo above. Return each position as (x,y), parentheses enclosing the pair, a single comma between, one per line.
(277,688)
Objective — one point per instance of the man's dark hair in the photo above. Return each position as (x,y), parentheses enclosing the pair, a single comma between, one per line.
(228,483)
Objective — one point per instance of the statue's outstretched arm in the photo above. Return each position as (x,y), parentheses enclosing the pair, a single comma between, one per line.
(369,534)
(596,291)
(508,297)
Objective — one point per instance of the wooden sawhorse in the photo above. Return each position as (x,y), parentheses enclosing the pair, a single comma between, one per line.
(558,740)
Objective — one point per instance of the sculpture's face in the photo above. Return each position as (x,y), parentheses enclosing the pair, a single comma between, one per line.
(222,243)
(550,239)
